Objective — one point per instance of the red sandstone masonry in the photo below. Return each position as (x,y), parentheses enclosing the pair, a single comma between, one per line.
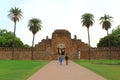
(25,54)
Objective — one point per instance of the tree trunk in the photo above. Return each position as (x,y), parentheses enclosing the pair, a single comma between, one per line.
(13,45)
(33,47)
(109,47)
(89,43)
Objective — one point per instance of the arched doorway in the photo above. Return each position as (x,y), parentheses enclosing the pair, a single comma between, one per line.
(61,49)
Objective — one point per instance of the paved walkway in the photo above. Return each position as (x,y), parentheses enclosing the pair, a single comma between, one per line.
(55,71)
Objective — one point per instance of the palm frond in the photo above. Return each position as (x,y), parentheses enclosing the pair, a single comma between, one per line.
(15,14)
(34,25)
(87,19)
(106,21)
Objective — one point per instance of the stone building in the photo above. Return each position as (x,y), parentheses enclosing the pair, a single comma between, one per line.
(61,43)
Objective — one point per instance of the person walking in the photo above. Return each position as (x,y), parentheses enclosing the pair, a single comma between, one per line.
(66,58)
(60,59)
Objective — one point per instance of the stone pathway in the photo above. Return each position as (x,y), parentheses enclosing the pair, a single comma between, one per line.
(73,71)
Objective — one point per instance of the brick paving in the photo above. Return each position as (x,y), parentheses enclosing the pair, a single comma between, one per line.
(72,71)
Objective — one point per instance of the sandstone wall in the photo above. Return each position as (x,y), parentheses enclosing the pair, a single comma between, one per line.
(25,54)
(101,53)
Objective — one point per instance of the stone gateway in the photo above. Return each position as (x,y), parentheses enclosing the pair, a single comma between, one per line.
(61,43)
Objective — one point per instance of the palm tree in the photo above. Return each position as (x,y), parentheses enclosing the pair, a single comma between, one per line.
(106,24)
(34,26)
(87,20)
(15,15)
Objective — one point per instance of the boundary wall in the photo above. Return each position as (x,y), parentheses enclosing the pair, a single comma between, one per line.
(25,54)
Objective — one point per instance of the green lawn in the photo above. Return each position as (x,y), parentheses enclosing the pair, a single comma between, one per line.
(110,69)
(19,69)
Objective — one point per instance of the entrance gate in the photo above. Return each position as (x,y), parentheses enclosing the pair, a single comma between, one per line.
(61,49)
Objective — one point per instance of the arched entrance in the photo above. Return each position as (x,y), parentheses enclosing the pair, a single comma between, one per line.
(61,49)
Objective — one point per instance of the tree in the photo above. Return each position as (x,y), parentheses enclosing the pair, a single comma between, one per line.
(114,41)
(34,26)
(6,39)
(114,38)
(106,24)
(87,20)
(116,31)
(26,46)
(15,15)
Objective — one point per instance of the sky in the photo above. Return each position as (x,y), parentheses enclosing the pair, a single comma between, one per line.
(59,14)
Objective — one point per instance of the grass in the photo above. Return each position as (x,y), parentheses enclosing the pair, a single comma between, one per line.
(19,69)
(109,69)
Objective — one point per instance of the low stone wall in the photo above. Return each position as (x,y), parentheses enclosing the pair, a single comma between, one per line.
(101,53)
(25,54)
(19,53)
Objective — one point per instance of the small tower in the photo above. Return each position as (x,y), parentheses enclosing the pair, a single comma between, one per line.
(75,37)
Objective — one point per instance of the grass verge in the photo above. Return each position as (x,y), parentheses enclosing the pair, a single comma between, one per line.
(109,69)
(19,69)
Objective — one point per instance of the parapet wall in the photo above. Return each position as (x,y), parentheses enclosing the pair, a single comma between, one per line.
(25,54)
